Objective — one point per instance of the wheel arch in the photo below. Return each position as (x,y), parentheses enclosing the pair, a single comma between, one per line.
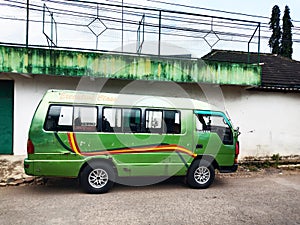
(209,158)
(98,161)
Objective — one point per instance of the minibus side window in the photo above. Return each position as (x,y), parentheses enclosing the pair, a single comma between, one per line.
(85,118)
(131,120)
(59,118)
(52,118)
(69,118)
(112,120)
(154,120)
(172,122)
(121,120)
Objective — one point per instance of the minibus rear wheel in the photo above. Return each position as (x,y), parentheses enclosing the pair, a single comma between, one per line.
(97,178)
(201,174)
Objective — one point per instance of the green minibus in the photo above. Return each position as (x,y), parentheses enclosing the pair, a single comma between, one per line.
(102,137)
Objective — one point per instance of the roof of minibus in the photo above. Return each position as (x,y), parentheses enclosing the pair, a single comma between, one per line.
(129,100)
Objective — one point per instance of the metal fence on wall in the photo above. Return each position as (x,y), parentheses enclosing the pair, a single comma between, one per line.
(121,27)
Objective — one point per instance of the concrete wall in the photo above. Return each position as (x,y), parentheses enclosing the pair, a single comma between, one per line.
(268,120)
(73,63)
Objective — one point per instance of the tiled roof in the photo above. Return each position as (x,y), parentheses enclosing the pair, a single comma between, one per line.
(277,72)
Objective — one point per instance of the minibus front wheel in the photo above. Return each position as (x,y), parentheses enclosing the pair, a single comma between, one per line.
(201,174)
(97,178)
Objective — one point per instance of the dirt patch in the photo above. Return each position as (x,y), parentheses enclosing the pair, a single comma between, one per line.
(269,161)
(12,172)
(11,169)
(254,171)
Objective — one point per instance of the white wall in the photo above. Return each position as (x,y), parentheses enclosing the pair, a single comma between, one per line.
(27,95)
(269,121)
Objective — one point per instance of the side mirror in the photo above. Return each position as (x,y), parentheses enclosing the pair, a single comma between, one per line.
(237,130)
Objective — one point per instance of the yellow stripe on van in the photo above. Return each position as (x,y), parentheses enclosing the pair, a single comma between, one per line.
(73,143)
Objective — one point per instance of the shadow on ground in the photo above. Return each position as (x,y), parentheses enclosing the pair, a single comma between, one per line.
(68,185)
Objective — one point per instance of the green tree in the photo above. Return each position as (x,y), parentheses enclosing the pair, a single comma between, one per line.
(274,41)
(286,41)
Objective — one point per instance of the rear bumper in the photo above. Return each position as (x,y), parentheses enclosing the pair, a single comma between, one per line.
(228,169)
(28,167)
(58,168)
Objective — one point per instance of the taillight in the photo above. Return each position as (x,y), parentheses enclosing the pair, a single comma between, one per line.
(237,148)
(30,147)
(237,152)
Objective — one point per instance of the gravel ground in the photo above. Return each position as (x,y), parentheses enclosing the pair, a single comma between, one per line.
(265,197)
(250,196)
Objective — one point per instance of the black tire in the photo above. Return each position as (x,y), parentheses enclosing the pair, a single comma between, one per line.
(97,178)
(201,174)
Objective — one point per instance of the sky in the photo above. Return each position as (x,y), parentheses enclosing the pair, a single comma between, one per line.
(110,40)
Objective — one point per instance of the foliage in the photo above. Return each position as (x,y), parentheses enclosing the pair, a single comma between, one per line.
(286,41)
(276,157)
(274,41)
(281,41)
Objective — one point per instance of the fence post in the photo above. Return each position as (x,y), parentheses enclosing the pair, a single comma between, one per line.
(27,23)
(159,32)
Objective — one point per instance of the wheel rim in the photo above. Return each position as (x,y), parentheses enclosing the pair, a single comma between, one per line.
(98,178)
(202,175)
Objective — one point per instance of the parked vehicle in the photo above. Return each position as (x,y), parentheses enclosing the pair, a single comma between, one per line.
(100,137)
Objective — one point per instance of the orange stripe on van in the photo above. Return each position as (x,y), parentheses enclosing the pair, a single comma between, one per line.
(168,148)
(159,148)
(73,143)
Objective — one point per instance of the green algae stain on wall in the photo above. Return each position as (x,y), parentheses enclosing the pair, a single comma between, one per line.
(75,63)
